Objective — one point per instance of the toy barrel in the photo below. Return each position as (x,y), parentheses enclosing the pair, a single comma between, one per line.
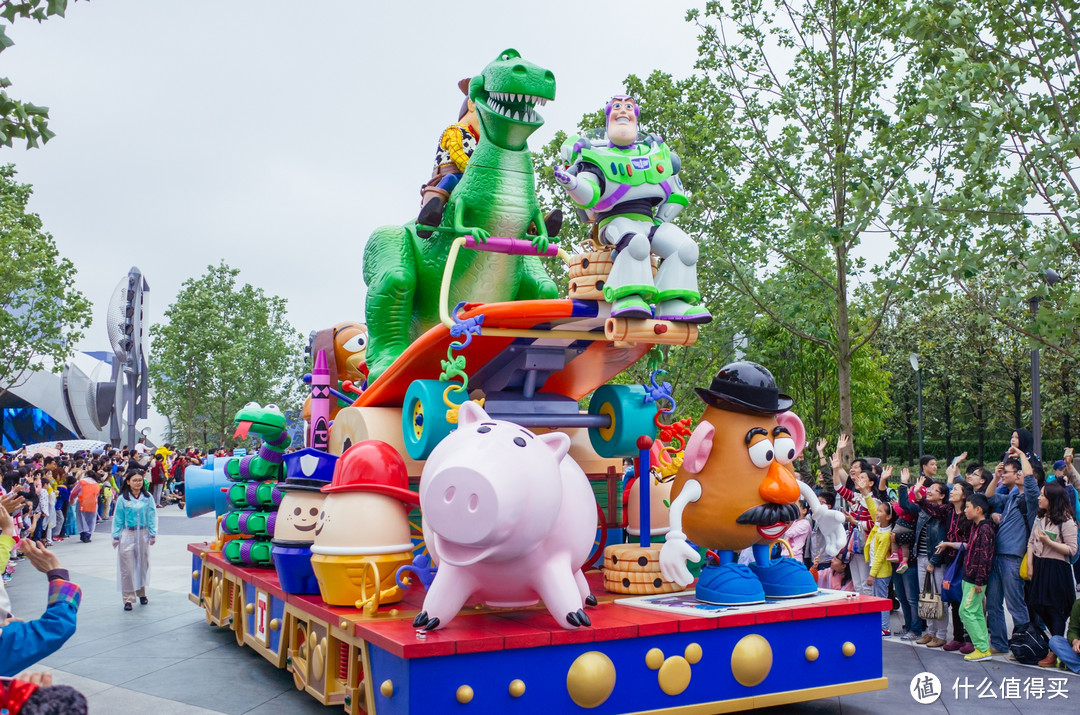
(255,495)
(249,552)
(250,523)
(666,332)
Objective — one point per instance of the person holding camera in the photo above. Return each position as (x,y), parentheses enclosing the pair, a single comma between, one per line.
(23,643)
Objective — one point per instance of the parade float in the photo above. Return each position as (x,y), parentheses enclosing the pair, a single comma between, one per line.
(451,537)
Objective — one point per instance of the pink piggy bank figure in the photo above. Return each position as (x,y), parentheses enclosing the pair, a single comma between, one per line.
(509,517)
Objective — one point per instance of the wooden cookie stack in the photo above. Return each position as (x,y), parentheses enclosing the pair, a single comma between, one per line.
(588,273)
(629,568)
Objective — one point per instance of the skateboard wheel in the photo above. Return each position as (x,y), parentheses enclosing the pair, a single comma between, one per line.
(631,417)
(423,419)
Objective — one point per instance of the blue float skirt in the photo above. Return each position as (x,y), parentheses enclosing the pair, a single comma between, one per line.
(293,566)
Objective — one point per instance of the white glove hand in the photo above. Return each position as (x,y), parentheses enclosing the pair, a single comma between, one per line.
(568,180)
(831,524)
(673,557)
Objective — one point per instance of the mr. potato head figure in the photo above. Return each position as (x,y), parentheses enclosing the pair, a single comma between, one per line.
(736,489)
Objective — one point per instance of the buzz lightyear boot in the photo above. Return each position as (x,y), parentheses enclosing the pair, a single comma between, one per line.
(629,287)
(677,297)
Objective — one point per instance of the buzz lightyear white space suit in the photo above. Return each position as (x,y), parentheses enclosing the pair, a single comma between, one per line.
(632,190)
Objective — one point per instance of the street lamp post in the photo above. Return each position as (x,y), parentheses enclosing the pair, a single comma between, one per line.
(1051,277)
(913,358)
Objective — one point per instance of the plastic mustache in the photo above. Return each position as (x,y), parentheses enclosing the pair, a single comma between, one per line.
(768,514)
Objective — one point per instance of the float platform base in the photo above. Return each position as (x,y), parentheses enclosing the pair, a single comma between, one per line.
(631,660)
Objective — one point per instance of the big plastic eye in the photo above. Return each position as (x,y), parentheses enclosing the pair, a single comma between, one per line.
(273,408)
(785,450)
(356,343)
(761,453)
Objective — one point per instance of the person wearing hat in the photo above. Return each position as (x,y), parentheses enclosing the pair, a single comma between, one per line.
(363,528)
(456,145)
(736,490)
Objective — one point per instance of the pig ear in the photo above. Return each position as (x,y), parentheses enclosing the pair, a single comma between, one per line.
(470,413)
(698,448)
(794,426)
(557,442)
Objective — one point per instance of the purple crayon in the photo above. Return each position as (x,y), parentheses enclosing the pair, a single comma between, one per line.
(320,403)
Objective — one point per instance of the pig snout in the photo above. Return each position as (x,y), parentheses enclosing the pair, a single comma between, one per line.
(461,505)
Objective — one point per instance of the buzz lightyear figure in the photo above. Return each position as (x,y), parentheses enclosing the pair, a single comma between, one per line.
(632,190)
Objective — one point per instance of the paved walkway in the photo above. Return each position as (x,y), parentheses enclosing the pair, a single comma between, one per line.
(163,658)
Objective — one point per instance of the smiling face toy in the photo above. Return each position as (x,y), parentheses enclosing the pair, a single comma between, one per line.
(294,532)
(362,534)
(736,489)
(622,120)
(299,511)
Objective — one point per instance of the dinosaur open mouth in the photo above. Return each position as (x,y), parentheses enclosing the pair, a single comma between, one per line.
(518,107)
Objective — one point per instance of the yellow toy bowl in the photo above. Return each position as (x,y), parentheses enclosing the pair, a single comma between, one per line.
(362,580)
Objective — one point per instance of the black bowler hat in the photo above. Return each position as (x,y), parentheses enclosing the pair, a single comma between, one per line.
(745,387)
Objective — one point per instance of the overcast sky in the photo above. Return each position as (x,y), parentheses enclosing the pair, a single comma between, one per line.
(276,135)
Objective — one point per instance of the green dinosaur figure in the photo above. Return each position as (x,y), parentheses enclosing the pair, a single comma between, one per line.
(268,423)
(496,197)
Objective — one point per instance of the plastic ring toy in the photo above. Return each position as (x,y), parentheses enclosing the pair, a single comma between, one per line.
(631,417)
(423,419)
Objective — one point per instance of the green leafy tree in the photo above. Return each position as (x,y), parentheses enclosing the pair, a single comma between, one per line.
(826,151)
(222,346)
(18,119)
(1006,77)
(42,315)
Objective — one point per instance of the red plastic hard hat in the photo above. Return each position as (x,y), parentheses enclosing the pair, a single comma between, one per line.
(372,466)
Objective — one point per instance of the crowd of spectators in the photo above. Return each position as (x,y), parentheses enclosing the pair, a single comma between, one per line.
(985,540)
(46,498)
